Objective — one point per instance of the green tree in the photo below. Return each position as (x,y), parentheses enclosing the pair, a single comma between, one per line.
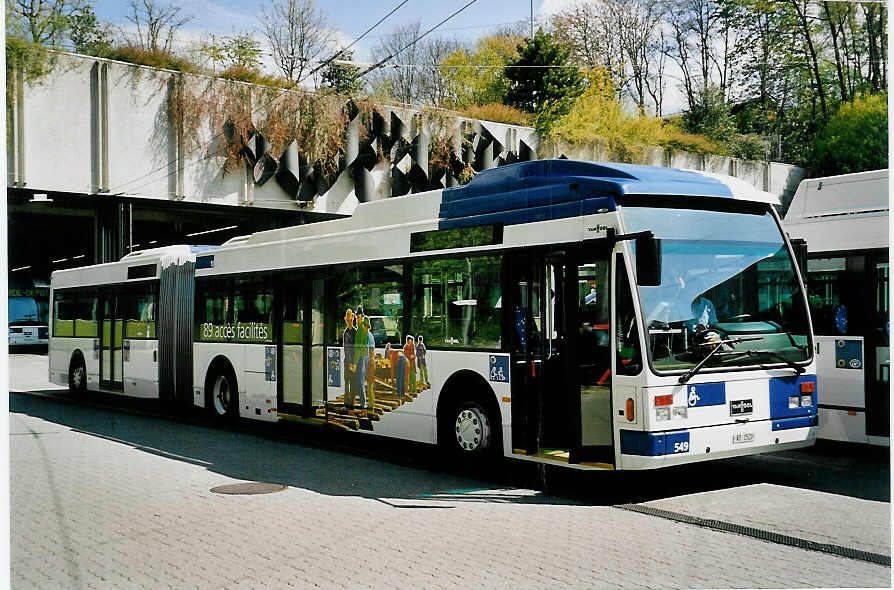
(855,139)
(541,78)
(710,115)
(44,22)
(342,78)
(477,77)
(240,51)
(88,34)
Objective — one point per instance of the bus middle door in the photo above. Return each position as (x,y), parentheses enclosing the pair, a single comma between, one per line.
(111,358)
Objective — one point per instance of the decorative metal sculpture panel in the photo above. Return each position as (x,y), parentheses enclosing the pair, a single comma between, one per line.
(398,143)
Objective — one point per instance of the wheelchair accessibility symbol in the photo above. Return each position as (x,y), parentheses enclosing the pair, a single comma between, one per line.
(693,397)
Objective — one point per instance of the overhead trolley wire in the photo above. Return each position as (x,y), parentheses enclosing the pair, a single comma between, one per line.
(382,62)
(354,42)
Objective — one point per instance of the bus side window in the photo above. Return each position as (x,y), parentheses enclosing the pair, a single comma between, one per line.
(140,318)
(85,317)
(629,357)
(63,316)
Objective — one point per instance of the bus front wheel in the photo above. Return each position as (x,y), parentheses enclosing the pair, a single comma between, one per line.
(223,397)
(471,431)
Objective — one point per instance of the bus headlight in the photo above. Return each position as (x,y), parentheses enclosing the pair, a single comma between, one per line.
(681,412)
(806,401)
(663,413)
(794,401)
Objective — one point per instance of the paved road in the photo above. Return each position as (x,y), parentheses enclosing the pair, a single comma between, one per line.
(111,498)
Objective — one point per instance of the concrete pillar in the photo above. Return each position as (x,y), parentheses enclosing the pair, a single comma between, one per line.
(15,125)
(99,127)
(112,231)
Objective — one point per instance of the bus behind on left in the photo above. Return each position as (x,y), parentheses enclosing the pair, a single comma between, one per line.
(28,305)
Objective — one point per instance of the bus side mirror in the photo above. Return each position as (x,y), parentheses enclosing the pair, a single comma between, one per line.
(799,245)
(648,261)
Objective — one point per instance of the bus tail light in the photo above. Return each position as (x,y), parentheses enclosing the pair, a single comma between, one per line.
(664,400)
(631,416)
(808,387)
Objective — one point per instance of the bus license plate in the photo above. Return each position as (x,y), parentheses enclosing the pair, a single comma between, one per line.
(743,437)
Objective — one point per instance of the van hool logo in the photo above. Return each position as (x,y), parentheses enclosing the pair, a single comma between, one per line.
(249,331)
(597,227)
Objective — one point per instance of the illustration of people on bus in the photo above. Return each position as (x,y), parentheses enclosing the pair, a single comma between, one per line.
(420,360)
(410,353)
(348,348)
(371,366)
(399,371)
(361,353)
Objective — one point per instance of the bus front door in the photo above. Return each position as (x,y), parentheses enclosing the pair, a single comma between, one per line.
(111,338)
(588,357)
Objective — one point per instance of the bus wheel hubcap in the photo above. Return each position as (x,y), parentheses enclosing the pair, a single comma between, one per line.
(77,377)
(472,429)
(221,395)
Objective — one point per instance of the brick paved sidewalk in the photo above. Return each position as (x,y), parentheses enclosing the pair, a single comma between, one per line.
(90,511)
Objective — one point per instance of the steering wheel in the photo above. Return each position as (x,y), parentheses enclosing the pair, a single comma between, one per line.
(706,338)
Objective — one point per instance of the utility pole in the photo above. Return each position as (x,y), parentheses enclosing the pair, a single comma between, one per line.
(532,20)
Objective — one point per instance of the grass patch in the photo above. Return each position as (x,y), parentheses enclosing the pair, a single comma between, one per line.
(498,113)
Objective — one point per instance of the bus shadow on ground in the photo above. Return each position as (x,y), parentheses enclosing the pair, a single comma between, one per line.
(335,463)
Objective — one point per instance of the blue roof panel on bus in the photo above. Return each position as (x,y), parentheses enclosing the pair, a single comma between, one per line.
(552,189)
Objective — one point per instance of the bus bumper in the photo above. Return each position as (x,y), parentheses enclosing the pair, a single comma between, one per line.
(649,450)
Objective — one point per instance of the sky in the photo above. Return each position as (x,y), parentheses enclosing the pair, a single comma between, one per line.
(350,19)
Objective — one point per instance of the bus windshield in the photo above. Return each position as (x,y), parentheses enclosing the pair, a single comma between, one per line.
(26,311)
(728,289)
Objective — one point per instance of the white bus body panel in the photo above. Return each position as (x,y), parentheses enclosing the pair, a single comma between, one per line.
(711,429)
(716,443)
(257,395)
(26,336)
(60,354)
(141,368)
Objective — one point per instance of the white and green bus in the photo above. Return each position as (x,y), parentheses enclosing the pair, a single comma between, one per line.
(602,316)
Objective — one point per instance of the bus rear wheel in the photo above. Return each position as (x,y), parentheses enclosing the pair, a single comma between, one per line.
(77,375)
(223,397)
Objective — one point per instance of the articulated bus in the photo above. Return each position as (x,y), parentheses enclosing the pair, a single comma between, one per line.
(844,220)
(599,316)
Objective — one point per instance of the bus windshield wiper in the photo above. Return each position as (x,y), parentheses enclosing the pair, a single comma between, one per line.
(792,364)
(691,372)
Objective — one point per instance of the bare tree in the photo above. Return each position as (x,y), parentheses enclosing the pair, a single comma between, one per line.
(636,23)
(587,29)
(654,79)
(400,80)
(156,24)
(297,34)
(415,75)
(813,53)
(44,21)
(704,44)
(621,37)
